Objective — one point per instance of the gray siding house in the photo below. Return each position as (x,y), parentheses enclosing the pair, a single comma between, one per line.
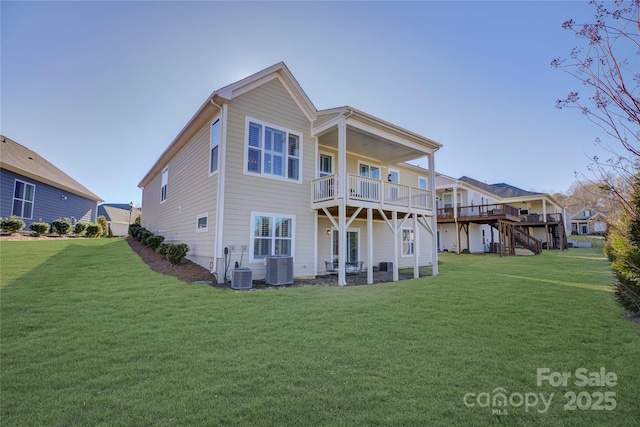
(259,172)
(35,190)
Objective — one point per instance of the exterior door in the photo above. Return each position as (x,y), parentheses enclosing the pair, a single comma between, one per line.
(369,190)
(353,249)
(325,166)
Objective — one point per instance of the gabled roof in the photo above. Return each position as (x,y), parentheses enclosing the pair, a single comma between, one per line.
(388,129)
(447,181)
(502,190)
(117,212)
(578,212)
(23,161)
(224,95)
(279,71)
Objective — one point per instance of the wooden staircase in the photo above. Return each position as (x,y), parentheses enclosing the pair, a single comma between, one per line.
(512,235)
(527,241)
(559,235)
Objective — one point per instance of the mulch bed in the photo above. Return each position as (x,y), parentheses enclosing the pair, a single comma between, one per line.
(186,271)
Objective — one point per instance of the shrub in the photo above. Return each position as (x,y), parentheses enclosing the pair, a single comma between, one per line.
(163,248)
(94,230)
(154,241)
(138,219)
(79,228)
(133,228)
(175,253)
(12,224)
(62,226)
(39,228)
(143,234)
(104,224)
(138,231)
(622,248)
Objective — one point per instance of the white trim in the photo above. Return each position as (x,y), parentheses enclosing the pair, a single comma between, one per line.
(261,174)
(252,236)
(413,252)
(369,164)
(164,185)
(33,202)
(266,79)
(333,162)
(217,119)
(386,135)
(426,181)
(198,218)
(218,250)
(391,170)
(348,230)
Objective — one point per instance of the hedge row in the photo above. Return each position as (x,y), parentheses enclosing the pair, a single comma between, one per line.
(61,226)
(174,252)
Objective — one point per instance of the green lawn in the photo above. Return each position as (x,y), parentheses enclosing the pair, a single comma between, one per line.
(91,336)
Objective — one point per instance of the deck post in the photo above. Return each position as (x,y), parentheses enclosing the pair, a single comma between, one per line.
(434,218)
(342,201)
(416,248)
(394,216)
(369,246)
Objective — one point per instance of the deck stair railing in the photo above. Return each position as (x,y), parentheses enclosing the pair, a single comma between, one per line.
(527,241)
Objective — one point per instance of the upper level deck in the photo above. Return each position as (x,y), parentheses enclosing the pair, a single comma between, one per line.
(371,193)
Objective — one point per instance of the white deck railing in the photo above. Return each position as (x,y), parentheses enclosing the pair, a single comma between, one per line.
(370,190)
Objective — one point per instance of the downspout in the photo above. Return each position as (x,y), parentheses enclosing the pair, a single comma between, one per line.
(221,183)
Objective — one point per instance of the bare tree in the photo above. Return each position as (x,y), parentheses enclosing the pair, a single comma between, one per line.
(607,67)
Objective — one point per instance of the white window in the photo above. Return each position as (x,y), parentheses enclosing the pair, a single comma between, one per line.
(202,223)
(408,241)
(23,196)
(325,165)
(369,171)
(422,183)
(273,152)
(165,180)
(213,147)
(368,189)
(393,178)
(271,234)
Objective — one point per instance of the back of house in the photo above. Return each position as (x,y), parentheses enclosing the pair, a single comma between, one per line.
(259,173)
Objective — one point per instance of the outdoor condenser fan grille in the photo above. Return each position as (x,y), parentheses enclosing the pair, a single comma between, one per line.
(241,278)
(279,270)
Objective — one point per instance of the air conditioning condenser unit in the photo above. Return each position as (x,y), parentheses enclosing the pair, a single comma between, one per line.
(279,270)
(241,278)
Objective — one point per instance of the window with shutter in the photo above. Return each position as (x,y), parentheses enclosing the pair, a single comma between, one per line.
(272,234)
(273,152)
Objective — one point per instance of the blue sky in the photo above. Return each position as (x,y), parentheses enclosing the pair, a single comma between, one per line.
(101,88)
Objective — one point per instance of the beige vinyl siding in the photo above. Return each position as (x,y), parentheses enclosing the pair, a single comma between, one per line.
(190,192)
(324,118)
(247,193)
(382,243)
(382,235)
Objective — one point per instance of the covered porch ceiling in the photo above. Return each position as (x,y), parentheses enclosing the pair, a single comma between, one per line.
(370,137)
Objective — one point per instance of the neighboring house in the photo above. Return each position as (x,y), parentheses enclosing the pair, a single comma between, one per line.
(118,216)
(586,220)
(35,190)
(258,172)
(496,217)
